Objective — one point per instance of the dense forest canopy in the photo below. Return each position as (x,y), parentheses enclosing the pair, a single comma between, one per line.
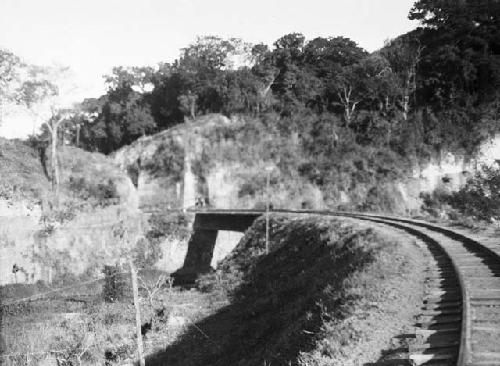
(439,84)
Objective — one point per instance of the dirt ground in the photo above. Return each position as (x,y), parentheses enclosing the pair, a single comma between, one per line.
(381,321)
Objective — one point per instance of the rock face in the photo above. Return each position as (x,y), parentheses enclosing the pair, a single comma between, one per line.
(169,165)
(212,179)
(228,183)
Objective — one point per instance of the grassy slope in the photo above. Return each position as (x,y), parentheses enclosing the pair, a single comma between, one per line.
(328,294)
(89,181)
(21,173)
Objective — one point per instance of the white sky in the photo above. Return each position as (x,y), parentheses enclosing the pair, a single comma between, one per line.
(92,36)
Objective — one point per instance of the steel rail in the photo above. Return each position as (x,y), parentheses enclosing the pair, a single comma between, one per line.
(465,348)
(464,351)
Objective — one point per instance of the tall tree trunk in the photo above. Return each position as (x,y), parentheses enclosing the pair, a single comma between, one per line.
(55,165)
(349,104)
(406,106)
(192,108)
(53,128)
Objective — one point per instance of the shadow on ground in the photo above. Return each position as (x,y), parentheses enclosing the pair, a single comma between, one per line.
(279,302)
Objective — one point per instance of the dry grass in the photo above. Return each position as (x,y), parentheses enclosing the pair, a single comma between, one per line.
(93,332)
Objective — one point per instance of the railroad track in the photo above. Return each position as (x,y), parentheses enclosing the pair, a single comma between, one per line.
(460,320)
(460,317)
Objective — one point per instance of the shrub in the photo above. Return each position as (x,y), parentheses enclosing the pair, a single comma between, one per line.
(202,164)
(114,285)
(167,160)
(87,190)
(147,253)
(249,188)
(480,197)
(436,203)
(166,224)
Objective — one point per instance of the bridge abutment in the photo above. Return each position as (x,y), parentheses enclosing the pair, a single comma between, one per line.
(199,256)
(202,242)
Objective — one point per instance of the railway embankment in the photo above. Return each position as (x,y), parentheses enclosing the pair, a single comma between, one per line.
(328,293)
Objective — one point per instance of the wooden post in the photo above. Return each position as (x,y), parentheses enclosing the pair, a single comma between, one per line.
(78,135)
(268,198)
(135,290)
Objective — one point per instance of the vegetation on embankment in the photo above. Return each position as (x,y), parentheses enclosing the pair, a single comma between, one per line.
(86,178)
(77,327)
(438,84)
(21,172)
(228,158)
(475,204)
(37,234)
(328,293)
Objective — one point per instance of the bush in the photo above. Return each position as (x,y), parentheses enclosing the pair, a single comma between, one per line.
(114,284)
(480,197)
(436,203)
(147,253)
(87,190)
(249,188)
(167,161)
(165,224)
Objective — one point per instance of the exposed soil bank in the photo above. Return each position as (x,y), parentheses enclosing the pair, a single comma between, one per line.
(329,293)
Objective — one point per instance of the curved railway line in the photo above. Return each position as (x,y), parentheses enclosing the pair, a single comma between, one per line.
(460,316)
(460,320)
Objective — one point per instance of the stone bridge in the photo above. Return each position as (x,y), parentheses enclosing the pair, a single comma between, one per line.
(202,242)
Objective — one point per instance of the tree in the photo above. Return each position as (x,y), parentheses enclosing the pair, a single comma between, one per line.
(325,55)
(326,59)
(53,125)
(23,84)
(123,114)
(207,54)
(460,62)
(138,121)
(188,104)
(9,77)
(40,89)
(348,88)
(201,66)
(265,73)
(137,78)
(404,54)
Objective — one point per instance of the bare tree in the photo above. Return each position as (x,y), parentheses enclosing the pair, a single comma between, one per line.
(404,55)
(410,85)
(346,98)
(163,281)
(53,126)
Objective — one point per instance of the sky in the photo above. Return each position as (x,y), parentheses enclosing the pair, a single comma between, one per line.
(92,36)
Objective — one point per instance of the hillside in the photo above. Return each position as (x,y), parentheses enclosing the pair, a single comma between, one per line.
(224,161)
(46,241)
(21,172)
